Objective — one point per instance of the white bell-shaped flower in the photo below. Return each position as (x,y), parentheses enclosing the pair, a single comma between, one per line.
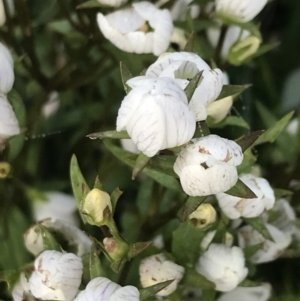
(236,207)
(257,293)
(102,289)
(9,125)
(76,239)
(239,10)
(56,205)
(57,276)
(208,165)
(223,265)
(126,28)
(270,250)
(158,268)
(156,115)
(21,290)
(7,76)
(112,3)
(183,66)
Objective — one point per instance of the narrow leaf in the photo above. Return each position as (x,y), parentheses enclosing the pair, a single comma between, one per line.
(114,197)
(258,224)
(141,161)
(150,291)
(229,121)
(240,189)
(125,75)
(109,134)
(49,241)
(232,90)
(137,248)
(249,283)
(95,266)
(247,141)
(280,193)
(90,4)
(251,250)
(98,184)
(192,86)
(79,185)
(194,279)
(190,206)
(189,47)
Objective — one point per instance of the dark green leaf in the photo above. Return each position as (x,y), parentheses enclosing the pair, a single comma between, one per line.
(280,193)
(125,75)
(251,250)
(140,163)
(229,121)
(209,295)
(15,146)
(193,279)
(258,224)
(11,277)
(202,129)
(192,86)
(95,265)
(49,241)
(240,189)
(249,283)
(110,135)
(90,4)
(247,141)
(150,291)
(18,106)
(79,185)
(190,206)
(114,197)
(232,90)
(137,248)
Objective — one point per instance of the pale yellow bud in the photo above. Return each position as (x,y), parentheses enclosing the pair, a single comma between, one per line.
(4,170)
(96,206)
(218,109)
(204,216)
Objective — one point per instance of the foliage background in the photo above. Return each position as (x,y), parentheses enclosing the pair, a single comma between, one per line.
(59,48)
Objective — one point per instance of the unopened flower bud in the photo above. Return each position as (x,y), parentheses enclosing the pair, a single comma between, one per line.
(117,249)
(4,170)
(97,206)
(57,276)
(158,268)
(204,216)
(243,50)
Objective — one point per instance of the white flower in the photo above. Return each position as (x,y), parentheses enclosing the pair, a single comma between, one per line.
(158,241)
(233,35)
(21,290)
(124,28)
(224,266)
(182,7)
(239,10)
(208,165)
(236,207)
(102,289)
(207,239)
(76,239)
(156,115)
(7,76)
(270,250)
(57,205)
(183,66)
(129,146)
(9,125)
(51,106)
(204,216)
(158,268)
(257,293)
(112,3)
(57,276)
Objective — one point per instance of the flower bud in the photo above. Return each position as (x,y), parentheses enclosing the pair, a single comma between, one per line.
(57,276)
(102,289)
(243,50)
(204,216)
(158,268)
(223,265)
(117,249)
(97,206)
(239,11)
(4,169)
(236,207)
(270,250)
(208,165)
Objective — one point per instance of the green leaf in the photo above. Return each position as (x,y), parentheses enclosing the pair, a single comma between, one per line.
(190,206)
(114,197)
(189,47)
(229,121)
(280,193)
(258,224)
(247,141)
(251,250)
(248,162)
(240,189)
(186,243)
(95,266)
(209,295)
(193,279)
(125,75)
(232,90)
(249,283)
(16,144)
(192,86)
(49,241)
(98,184)
(137,248)
(150,291)
(11,277)
(79,185)
(90,4)
(110,135)
(140,163)
(202,129)
(18,106)
(271,134)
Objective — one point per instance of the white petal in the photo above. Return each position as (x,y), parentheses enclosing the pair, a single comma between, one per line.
(7,76)
(128,293)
